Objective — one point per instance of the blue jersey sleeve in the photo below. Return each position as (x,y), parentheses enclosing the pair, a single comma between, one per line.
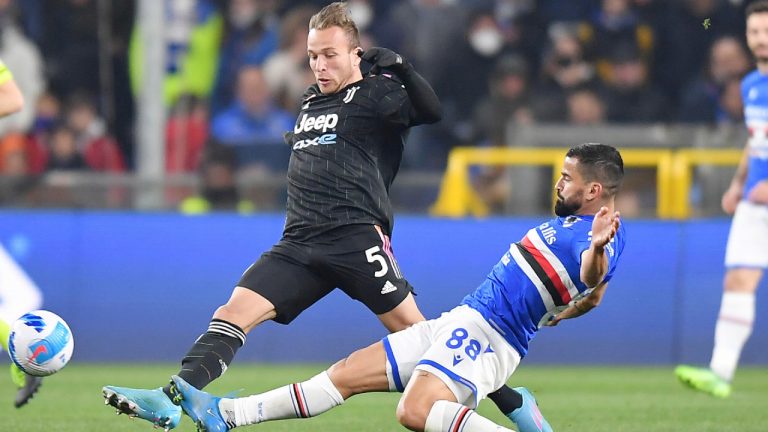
(613,249)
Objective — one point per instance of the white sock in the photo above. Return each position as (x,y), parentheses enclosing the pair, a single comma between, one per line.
(307,399)
(734,325)
(449,416)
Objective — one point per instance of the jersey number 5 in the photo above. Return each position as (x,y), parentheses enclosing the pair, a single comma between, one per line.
(373,255)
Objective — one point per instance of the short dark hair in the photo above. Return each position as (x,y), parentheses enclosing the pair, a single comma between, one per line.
(601,163)
(756,7)
(336,15)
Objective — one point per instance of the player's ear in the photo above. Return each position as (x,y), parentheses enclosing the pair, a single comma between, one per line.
(595,191)
(356,59)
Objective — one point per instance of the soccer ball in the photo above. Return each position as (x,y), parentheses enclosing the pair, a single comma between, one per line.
(41,343)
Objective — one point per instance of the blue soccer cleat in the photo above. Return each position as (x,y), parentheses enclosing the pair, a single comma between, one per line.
(528,418)
(202,407)
(150,405)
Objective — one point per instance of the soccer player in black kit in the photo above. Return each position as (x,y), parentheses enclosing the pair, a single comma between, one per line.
(347,145)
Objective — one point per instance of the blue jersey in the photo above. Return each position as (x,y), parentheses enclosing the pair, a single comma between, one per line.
(754,93)
(539,277)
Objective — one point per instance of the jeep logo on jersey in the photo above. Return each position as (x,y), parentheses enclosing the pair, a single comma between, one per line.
(321,140)
(321,122)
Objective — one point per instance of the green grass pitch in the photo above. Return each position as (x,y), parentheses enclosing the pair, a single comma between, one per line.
(589,399)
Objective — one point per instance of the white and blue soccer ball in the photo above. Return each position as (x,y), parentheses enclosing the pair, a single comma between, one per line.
(41,343)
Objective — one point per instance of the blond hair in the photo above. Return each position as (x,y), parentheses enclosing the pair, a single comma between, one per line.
(336,15)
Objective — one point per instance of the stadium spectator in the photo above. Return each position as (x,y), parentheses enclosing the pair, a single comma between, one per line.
(250,37)
(186,133)
(192,39)
(565,67)
(616,26)
(495,119)
(63,152)
(85,48)
(585,107)
(287,71)
(100,151)
(218,188)
(446,366)
(701,100)
(23,56)
(630,96)
(253,119)
(746,254)
(731,103)
(683,42)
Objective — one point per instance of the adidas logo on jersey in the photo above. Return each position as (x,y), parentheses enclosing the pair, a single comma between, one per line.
(388,288)
(322,122)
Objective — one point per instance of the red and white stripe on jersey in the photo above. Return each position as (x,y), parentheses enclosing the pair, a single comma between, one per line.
(386,246)
(545,270)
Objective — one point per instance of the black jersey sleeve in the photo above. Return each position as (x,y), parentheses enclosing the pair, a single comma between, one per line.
(393,105)
(425,105)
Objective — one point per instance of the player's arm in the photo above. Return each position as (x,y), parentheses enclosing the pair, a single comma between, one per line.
(580,307)
(11,99)
(732,195)
(425,105)
(594,261)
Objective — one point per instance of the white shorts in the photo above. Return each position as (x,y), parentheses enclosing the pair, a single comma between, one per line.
(459,347)
(748,238)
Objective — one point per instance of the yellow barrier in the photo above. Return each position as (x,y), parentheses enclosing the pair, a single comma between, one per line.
(684,161)
(458,198)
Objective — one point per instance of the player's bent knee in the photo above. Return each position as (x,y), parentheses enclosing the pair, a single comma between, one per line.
(412,415)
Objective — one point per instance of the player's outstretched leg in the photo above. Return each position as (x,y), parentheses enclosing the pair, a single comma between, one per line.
(202,407)
(30,385)
(703,380)
(151,405)
(528,418)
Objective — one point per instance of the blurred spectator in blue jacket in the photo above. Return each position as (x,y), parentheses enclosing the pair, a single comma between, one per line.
(251,36)
(253,118)
(700,102)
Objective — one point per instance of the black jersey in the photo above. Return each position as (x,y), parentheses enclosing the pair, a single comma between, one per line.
(346,150)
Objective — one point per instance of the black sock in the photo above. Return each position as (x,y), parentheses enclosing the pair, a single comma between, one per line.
(506,399)
(211,354)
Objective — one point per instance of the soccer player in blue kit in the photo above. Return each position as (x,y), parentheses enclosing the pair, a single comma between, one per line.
(445,366)
(746,254)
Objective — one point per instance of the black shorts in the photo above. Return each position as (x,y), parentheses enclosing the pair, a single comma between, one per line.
(358,259)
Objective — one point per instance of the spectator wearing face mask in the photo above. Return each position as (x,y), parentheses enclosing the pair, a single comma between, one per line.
(565,67)
(462,83)
(251,36)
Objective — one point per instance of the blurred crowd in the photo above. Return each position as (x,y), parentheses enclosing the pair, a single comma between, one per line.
(235,70)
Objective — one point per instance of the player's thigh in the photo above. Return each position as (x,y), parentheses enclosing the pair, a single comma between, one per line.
(748,238)
(284,277)
(367,270)
(468,355)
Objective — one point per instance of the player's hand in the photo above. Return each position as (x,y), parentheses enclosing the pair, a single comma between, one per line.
(759,193)
(383,58)
(604,227)
(731,198)
(555,320)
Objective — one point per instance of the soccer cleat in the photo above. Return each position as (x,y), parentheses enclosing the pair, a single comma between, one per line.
(18,376)
(703,380)
(25,393)
(202,407)
(150,405)
(528,418)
